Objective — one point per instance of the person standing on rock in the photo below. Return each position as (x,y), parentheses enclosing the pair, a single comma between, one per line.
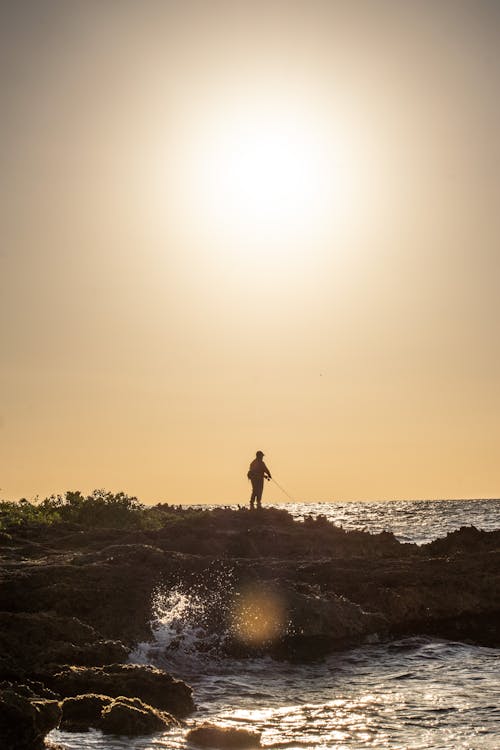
(257,472)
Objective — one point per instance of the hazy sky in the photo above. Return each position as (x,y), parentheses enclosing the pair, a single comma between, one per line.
(231,226)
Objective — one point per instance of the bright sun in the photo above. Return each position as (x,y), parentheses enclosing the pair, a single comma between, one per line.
(261,176)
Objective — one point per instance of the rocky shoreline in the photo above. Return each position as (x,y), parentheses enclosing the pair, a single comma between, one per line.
(75,601)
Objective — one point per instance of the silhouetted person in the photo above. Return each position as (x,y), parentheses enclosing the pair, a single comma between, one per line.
(256,473)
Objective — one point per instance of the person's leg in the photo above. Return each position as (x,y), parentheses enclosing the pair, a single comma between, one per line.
(258,495)
(253,496)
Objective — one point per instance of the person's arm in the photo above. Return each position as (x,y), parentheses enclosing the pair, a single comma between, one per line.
(267,472)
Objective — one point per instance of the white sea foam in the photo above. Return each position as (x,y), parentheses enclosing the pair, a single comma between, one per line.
(417,694)
(189,624)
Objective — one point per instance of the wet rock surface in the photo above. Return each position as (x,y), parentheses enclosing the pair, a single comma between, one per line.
(30,641)
(211,735)
(122,715)
(132,717)
(83,712)
(154,686)
(25,721)
(74,602)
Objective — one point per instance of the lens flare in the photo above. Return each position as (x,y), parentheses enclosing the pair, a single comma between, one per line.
(258,616)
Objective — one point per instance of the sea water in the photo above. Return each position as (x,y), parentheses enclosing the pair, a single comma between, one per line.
(412,694)
(418,521)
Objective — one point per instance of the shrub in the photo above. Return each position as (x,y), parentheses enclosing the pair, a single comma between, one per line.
(99,509)
(24,512)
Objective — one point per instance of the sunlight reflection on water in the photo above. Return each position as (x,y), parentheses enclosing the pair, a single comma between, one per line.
(413,694)
(418,521)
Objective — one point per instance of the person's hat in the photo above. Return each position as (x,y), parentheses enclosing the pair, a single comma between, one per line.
(259,453)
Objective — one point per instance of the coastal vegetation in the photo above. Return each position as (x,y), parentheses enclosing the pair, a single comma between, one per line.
(99,509)
(88,578)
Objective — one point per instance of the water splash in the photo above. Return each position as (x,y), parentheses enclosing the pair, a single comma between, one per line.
(418,693)
(190,623)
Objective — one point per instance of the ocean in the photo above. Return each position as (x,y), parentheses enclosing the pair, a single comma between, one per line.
(411,694)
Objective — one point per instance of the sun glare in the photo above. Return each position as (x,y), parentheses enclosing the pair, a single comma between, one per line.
(258,617)
(263,175)
(263,178)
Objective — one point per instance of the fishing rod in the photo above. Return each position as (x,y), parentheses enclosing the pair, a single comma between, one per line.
(282,489)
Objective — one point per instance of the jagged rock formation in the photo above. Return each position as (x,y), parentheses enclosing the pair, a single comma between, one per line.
(26,720)
(151,685)
(211,735)
(122,715)
(74,601)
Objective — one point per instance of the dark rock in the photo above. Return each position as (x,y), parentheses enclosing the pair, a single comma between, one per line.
(48,714)
(114,599)
(271,533)
(29,641)
(29,689)
(122,715)
(296,621)
(480,629)
(67,589)
(130,716)
(83,712)
(465,540)
(424,595)
(153,686)
(316,613)
(321,622)
(211,735)
(24,722)
(129,554)
(87,655)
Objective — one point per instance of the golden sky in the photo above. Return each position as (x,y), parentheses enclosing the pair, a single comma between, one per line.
(231,226)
